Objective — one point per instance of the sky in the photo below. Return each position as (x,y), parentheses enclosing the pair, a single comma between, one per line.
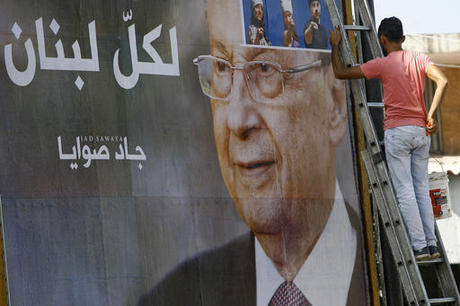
(421,16)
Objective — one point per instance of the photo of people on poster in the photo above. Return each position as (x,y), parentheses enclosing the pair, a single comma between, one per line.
(291,23)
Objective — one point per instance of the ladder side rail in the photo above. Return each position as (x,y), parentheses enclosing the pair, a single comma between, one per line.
(366,17)
(357,88)
(363,13)
(356,85)
(378,250)
(359,44)
(336,18)
(414,292)
(444,272)
(401,232)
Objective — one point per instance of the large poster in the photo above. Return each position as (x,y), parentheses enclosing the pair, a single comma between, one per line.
(175,153)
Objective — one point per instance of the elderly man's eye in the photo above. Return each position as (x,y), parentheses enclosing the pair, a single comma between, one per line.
(264,69)
(222,67)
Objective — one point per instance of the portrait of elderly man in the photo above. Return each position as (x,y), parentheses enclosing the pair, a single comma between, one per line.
(278,116)
(256,31)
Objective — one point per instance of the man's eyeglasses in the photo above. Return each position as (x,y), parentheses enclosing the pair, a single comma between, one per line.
(264,79)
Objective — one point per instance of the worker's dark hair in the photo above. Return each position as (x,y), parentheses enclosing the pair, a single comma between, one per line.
(310,1)
(392,29)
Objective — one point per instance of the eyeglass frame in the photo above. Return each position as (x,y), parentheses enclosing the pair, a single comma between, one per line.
(295,69)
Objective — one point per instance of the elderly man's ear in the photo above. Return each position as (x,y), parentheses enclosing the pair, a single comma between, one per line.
(338,108)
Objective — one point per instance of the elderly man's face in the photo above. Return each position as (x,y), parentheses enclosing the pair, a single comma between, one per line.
(277,158)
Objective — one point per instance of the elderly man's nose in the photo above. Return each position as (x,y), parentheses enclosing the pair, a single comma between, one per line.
(242,112)
(242,120)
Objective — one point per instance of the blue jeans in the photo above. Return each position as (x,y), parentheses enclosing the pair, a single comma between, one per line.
(407,152)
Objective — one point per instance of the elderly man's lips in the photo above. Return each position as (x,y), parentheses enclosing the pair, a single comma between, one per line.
(255,168)
(257,165)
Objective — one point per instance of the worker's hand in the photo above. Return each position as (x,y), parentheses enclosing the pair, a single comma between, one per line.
(335,36)
(431,126)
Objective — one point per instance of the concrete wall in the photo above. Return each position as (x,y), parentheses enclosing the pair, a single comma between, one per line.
(450,113)
(433,43)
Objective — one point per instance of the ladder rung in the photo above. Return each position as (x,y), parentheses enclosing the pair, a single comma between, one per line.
(430,262)
(441,301)
(375,104)
(356,28)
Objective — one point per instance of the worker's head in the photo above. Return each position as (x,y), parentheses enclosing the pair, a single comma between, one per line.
(390,32)
(276,132)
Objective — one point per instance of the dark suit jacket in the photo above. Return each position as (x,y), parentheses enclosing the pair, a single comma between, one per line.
(226,276)
(319,39)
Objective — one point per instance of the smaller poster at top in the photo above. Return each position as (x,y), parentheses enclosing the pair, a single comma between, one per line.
(287,23)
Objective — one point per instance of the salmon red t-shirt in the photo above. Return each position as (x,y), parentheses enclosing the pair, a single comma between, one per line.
(403,78)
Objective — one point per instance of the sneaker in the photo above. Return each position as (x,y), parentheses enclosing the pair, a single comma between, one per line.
(434,251)
(423,254)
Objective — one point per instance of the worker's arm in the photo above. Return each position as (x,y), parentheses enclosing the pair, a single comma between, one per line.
(340,71)
(440,79)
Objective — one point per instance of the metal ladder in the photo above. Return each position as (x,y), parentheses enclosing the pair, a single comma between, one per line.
(409,270)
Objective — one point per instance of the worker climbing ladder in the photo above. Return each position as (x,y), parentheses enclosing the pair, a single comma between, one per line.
(408,269)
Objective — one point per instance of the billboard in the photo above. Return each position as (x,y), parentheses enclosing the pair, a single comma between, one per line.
(153,155)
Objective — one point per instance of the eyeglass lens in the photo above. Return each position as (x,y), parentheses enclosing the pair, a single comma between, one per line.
(263,79)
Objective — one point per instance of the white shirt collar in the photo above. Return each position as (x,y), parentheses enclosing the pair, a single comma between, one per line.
(325,276)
